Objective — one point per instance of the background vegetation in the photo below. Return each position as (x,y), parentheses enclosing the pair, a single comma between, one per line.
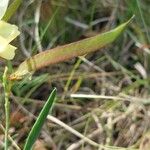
(104,95)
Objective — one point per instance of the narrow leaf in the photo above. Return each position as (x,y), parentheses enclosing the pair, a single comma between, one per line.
(12,9)
(35,131)
(62,53)
(3,7)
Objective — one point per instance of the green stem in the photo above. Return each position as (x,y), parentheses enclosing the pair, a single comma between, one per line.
(7,106)
(7,112)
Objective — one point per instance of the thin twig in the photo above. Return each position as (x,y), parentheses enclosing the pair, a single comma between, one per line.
(68,128)
(37,18)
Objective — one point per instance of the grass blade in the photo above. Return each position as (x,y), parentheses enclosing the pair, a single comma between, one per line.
(12,9)
(62,53)
(33,135)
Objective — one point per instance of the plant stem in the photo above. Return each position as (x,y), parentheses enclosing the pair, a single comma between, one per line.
(7,106)
(7,110)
